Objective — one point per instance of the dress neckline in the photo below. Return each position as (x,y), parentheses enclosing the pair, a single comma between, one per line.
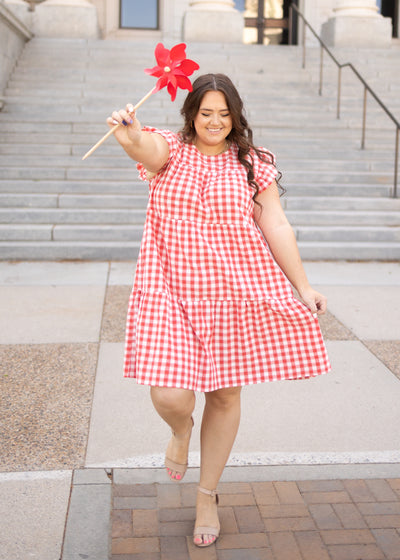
(211,157)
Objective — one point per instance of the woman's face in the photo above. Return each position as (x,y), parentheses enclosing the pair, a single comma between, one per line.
(212,123)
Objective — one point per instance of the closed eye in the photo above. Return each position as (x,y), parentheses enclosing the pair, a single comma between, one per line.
(209,114)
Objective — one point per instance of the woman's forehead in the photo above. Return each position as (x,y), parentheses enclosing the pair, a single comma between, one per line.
(213,100)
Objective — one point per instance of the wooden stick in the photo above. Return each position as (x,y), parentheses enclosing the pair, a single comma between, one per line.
(114,128)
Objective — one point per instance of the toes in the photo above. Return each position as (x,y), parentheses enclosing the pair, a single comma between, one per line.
(174,475)
(205,539)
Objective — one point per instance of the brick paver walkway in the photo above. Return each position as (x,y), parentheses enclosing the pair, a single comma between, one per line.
(307,520)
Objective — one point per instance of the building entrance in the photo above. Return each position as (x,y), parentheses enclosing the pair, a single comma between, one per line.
(390,8)
(266,21)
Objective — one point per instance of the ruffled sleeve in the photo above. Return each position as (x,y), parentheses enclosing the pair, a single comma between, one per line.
(265,171)
(173,144)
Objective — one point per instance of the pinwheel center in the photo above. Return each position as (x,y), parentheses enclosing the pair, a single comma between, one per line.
(167,69)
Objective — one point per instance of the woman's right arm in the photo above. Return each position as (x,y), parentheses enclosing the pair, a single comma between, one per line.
(151,150)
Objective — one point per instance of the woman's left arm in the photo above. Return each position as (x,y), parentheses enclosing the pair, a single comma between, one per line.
(281,240)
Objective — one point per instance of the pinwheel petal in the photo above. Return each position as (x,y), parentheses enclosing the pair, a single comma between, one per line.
(162,55)
(156,71)
(172,79)
(178,52)
(188,66)
(184,83)
(172,90)
(161,83)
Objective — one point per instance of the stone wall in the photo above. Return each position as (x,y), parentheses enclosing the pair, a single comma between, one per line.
(13,36)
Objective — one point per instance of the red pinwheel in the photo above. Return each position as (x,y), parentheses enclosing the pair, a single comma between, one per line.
(172,70)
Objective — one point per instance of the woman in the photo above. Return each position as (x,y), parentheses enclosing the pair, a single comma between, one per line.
(211,308)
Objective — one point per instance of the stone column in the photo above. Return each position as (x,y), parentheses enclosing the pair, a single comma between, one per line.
(357,23)
(213,21)
(65,19)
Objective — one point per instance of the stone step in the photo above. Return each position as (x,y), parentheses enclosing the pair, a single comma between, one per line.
(126,232)
(288,153)
(377,175)
(291,177)
(122,162)
(354,250)
(139,200)
(13,200)
(49,232)
(69,250)
(82,128)
(348,234)
(116,250)
(286,140)
(136,216)
(71,216)
(293,150)
(347,203)
(343,217)
(73,187)
(140,188)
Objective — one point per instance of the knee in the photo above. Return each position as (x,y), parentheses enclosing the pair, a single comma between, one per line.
(172,400)
(224,398)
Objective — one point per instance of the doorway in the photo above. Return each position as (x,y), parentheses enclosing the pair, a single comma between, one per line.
(390,8)
(266,21)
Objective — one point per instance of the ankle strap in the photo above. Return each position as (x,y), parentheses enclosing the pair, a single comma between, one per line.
(211,493)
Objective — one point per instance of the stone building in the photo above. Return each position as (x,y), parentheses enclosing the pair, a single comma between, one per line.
(342,22)
(353,22)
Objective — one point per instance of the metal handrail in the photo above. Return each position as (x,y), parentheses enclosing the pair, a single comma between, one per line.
(367,88)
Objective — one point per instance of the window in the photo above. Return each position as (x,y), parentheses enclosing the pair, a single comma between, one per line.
(139,14)
(240,5)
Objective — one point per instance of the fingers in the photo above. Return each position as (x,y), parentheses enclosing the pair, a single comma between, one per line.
(316,302)
(321,305)
(121,117)
(124,117)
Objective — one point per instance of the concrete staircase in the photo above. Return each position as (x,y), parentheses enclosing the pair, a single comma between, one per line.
(54,206)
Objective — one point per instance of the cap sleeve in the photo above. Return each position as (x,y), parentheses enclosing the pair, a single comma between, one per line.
(265,172)
(173,144)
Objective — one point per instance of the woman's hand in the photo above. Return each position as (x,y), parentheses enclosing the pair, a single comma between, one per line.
(130,131)
(315,301)
(152,150)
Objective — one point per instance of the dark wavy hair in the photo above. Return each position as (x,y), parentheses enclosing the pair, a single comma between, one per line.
(241,134)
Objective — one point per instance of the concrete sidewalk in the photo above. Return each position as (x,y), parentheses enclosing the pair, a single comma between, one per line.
(75,434)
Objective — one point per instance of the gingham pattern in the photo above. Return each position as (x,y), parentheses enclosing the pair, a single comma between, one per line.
(210,308)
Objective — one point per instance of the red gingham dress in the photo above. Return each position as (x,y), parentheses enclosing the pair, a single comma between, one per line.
(210,308)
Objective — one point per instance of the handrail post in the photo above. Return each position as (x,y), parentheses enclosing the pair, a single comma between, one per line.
(321,69)
(339,92)
(364,119)
(290,30)
(304,44)
(396,163)
(260,22)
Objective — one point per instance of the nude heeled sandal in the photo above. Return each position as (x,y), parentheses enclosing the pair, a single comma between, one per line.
(201,531)
(178,467)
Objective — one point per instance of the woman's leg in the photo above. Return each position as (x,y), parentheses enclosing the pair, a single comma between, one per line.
(219,427)
(175,406)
